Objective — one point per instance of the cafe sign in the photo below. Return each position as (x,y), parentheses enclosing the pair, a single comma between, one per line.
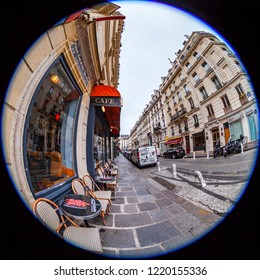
(106,101)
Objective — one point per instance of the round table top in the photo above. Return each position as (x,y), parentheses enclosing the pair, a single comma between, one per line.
(80,207)
(107,179)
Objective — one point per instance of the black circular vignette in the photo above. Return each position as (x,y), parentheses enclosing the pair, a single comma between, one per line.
(23,237)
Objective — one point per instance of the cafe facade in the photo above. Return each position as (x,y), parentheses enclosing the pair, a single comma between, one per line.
(62,107)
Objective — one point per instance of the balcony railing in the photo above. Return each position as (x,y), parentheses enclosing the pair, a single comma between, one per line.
(188,92)
(227,109)
(156,129)
(211,117)
(243,99)
(179,114)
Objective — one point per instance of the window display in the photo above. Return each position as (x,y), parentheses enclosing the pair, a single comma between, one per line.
(50,130)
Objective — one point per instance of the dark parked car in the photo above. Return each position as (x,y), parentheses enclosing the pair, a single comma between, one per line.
(174,153)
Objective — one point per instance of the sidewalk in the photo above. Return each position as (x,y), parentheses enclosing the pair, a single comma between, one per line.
(147,219)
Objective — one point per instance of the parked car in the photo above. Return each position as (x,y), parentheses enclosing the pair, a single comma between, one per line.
(174,153)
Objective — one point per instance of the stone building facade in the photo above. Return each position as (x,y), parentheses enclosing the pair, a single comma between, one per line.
(206,96)
(49,124)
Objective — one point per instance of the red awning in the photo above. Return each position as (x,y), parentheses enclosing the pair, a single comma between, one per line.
(174,141)
(112,110)
(112,17)
(74,16)
(104,91)
(112,114)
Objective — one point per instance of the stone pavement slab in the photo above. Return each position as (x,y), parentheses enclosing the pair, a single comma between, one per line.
(147,219)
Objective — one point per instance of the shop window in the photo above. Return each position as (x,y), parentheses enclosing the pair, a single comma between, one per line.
(98,140)
(49,140)
(198,141)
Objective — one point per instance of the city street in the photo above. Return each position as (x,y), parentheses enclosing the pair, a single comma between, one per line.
(223,180)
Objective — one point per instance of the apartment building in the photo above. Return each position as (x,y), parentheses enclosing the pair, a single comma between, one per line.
(206,95)
(124,141)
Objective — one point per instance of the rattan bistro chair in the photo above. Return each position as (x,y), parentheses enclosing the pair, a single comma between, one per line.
(51,215)
(110,170)
(94,188)
(101,172)
(78,187)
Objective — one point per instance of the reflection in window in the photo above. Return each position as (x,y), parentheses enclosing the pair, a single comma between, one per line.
(49,142)
(99,149)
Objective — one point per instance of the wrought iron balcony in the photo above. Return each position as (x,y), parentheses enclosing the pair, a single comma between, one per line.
(156,129)
(179,114)
(243,98)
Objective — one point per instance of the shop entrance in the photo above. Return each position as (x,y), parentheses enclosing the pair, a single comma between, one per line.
(187,141)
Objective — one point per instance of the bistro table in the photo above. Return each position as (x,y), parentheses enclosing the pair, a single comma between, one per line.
(104,180)
(111,171)
(80,207)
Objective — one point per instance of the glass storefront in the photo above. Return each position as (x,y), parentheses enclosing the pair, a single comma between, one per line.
(252,127)
(50,130)
(236,129)
(99,141)
(198,141)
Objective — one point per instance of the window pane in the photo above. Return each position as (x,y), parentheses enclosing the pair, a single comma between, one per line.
(49,143)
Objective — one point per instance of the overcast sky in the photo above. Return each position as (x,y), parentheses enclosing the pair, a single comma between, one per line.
(153,33)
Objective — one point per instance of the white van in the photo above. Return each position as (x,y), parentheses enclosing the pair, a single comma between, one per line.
(144,156)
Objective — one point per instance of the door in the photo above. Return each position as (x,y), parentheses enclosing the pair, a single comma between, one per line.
(187,140)
(215,136)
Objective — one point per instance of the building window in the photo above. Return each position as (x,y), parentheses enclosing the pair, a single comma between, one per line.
(216,82)
(181,77)
(211,114)
(172,130)
(203,93)
(188,65)
(49,138)
(179,96)
(186,88)
(240,91)
(195,77)
(191,103)
(226,103)
(196,120)
(195,54)
(179,125)
(168,107)
(240,66)
(206,66)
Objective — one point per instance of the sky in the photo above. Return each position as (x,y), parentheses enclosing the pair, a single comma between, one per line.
(153,33)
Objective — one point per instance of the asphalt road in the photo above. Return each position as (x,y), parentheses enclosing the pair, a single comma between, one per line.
(215,184)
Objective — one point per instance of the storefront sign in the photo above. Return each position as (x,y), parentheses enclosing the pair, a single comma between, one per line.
(234,118)
(106,101)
